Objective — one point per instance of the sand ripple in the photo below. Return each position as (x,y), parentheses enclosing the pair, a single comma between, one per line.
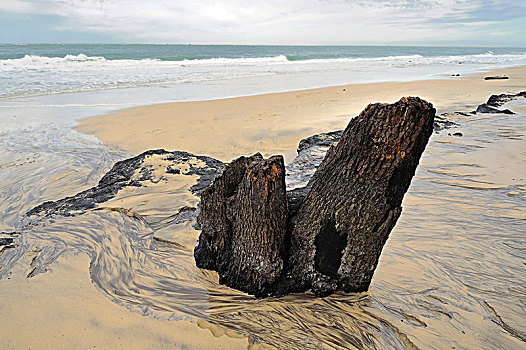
(451,274)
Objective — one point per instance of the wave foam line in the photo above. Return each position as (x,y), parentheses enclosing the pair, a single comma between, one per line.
(81,59)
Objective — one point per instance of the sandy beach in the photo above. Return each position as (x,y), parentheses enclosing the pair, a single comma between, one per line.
(123,275)
(80,317)
(274,123)
(299,175)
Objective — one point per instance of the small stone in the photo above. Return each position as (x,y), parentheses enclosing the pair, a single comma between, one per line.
(496,77)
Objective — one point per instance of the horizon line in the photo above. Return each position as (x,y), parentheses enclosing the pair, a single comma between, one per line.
(283,45)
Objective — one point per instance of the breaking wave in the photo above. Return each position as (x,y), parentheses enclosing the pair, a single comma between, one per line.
(33,75)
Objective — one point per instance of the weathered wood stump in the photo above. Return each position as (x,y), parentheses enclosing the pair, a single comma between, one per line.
(333,236)
(244,221)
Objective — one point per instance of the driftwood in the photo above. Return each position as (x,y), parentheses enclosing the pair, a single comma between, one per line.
(329,235)
(244,221)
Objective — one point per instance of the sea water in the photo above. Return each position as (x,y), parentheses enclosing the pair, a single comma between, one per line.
(59,83)
(176,70)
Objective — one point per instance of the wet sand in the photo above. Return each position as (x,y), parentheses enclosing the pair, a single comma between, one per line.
(274,123)
(435,311)
(451,273)
(63,309)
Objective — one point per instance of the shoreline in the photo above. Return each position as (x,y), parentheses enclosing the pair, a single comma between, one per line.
(437,76)
(273,123)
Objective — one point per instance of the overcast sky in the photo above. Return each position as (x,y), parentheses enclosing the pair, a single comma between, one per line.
(426,22)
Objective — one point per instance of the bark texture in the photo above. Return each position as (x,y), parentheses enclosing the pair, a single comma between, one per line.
(355,197)
(333,234)
(244,220)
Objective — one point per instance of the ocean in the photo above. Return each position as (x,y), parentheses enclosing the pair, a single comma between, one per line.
(177,71)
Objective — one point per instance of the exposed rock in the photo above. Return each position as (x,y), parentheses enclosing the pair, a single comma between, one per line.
(442,123)
(498,77)
(132,172)
(499,100)
(295,197)
(310,154)
(6,241)
(485,108)
(458,134)
(244,219)
(337,224)
(320,140)
(6,238)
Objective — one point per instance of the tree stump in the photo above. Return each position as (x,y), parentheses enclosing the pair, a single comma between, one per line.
(244,221)
(333,236)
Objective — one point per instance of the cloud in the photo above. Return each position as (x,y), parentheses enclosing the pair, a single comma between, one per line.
(277,22)
(16,6)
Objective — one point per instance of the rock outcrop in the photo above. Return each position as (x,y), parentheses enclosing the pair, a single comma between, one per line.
(496,101)
(485,108)
(499,100)
(131,172)
(330,234)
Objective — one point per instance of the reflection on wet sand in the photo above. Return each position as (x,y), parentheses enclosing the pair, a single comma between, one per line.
(450,276)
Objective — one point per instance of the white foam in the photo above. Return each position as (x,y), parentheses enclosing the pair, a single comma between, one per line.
(82,61)
(41,75)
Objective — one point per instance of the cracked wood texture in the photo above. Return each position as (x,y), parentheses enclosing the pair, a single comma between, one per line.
(333,237)
(355,197)
(244,220)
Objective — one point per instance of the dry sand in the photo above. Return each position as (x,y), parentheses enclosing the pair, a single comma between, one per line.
(274,123)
